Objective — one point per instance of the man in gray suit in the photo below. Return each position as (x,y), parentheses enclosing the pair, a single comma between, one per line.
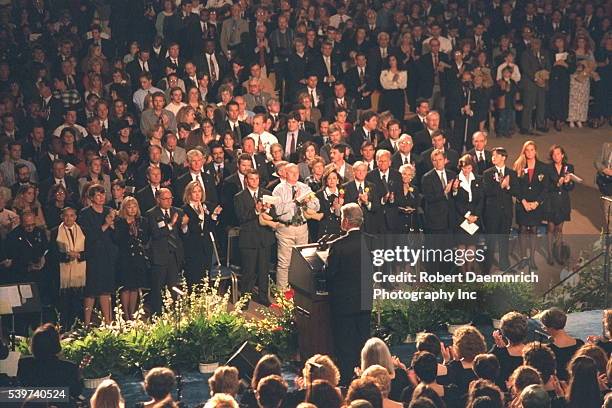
(256,97)
(173,154)
(232,30)
(157,114)
(534,60)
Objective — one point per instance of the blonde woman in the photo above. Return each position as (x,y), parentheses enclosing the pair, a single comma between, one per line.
(187,114)
(132,237)
(107,395)
(26,201)
(382,379)
(376,352)
(197,242)
(533,181)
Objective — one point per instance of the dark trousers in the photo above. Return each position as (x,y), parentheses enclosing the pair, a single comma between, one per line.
(497,228)
(350,333)
(255,265)
(162,276)
(534,97)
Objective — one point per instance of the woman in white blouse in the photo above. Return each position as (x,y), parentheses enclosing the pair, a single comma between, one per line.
(393,81)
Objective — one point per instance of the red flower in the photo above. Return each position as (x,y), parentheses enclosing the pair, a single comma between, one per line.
(277,329)
(289,293)
(275,306)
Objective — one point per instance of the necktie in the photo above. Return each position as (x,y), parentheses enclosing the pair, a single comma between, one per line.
(219,174)
(243,183)
(292,145)
(293,192)
(156,189)
(443,179)
(213,69)
(171,157)
(255,197)
(62,183)
(384,180)
(167,216)
(480,156)
(435,60)
(71,236)
(406,161)
(361,74)
(99,141)
(312,98)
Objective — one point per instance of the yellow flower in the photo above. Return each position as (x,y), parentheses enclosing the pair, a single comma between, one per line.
(410,189)
(367,190)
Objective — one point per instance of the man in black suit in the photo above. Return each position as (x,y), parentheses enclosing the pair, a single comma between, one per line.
(394,131)
(174,59)
(220,167)
(206,30)
(258,159)
(405,155)
(480,155)
(108,48)
(155,154)
(417,122)
(51,108)
(143,63)
(363,192)
(146,195)
(438,141)
(293,138)
(326,66)
(340,100)
(499,186)
(196,172)
(422,139)
(431,71)
(378,55)
(213,63)
(465,110)
(388,183)
(313,89)
(166,224)
(255,240)
(366,132)
(350,295)
(233,185)
(361,82)
(505,21)
(59,177)
(238,128)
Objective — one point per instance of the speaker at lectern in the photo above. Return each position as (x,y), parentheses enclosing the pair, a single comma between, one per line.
(311,300)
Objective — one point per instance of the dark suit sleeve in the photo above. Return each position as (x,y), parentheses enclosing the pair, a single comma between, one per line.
(431,193)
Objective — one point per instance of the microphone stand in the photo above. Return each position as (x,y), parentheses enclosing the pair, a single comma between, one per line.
(607,243)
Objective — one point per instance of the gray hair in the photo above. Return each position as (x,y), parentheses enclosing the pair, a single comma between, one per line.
(353,214)
(358,164)
(535,396)
(381,153)
(404,137)
(376,352)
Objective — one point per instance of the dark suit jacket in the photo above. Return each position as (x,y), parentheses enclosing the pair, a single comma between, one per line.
(133,69)
(351,195)
(498,201)
(530,64)
(481,166)
(331,107)
(438,207)
(451,155)
(52,372)
(413,125)
(252,234)
(349,284)
(302,138)
(146,199)
(71,185)
(358,137)
(141,173)
(201,62)
(208,180)
(355,86)
(161,233)
(245,129)
(421,141)
(231,187)
(387,213)
(425,71)
(396,160)
(317,66)
(463,204)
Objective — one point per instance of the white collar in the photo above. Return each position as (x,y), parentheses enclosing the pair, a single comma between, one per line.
(328,192)
(384,173)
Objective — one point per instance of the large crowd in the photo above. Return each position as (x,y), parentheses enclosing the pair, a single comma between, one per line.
(562,372)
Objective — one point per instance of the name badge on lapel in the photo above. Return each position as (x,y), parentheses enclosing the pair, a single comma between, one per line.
(161,224)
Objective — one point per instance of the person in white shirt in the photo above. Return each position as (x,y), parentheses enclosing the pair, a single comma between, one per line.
(146,88)
(436,32)
(263,140)
(509,62)
(176,100)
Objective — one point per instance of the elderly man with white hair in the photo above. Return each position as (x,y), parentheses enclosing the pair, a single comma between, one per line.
(296,201)
(387,182)
(404,154)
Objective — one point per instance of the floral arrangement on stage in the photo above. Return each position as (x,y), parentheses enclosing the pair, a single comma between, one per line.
(200,325)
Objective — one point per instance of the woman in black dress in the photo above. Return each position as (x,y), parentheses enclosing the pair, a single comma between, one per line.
(197,242)
(468,198)
(563,345)
(468,342)
(408,203)
(559,206)
(132,237)
(331,198)
(509,345)
(532,193)
(98,222)
(562,67)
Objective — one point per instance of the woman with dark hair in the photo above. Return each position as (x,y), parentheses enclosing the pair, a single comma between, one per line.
(266,366)
(308,151)
(559,206)
(563,345)
(486,390)
(323,394)
(468,342)
(44,368)
(98,224)
(201,137)
(159,383)
(393,80)
(509,344)
(56,201)
(563,64)
(583,389)
(331,198)
(532,193)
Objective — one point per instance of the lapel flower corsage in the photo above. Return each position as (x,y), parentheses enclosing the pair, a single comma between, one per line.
(410,189)
(367,190)
(341,193)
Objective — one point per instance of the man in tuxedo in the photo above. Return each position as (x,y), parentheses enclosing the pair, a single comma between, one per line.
(293,138)
(196,160)
(417,122)
(340,100)
(350,295)
(480,155)
(361,82)
(431,70)
(233,185)
(363,193)
(146,195)
(325,66)
(438,141)
(255,241)
(155,154)
(238,128)
(534,89)
(366,132)
(166,224)
(388,183)
(59,176)
(499,186)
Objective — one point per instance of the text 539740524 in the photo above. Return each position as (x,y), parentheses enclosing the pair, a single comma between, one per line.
(34,394)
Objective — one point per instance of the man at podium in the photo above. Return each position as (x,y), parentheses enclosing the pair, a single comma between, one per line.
(349,282)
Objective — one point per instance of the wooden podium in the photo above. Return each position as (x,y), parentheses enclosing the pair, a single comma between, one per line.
(313,318)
